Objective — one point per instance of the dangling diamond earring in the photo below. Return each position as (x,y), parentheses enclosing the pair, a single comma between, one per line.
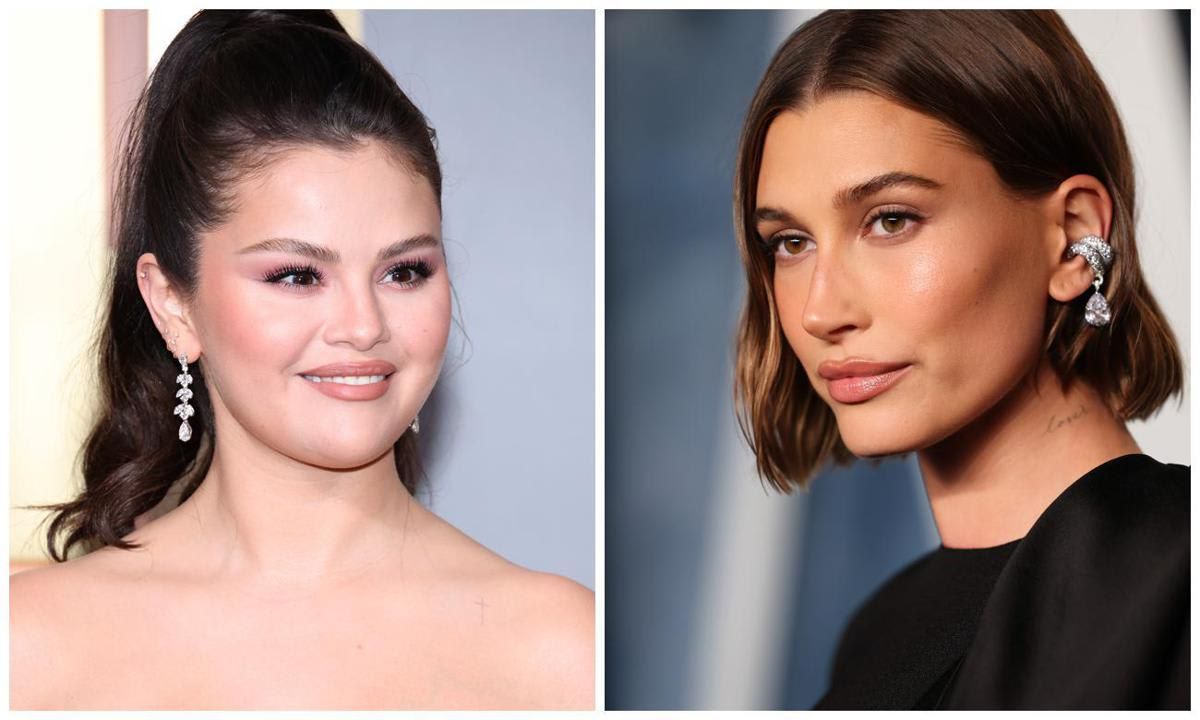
(184,409)
(415,425)
(1099,255)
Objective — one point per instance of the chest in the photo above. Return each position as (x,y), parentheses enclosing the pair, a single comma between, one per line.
(221,654)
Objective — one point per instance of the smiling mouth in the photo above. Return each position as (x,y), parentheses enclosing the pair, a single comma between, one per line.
(347,379)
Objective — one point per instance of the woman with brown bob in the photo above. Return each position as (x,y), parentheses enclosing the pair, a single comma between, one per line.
(935,211)
(280,280)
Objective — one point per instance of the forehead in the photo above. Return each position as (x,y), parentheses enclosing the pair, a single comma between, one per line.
(846,138)
(334,196)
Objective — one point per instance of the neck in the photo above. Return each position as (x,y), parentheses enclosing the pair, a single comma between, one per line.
(988,483)
(270,519)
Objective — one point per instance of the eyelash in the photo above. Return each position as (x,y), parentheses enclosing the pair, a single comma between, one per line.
(893,212)
(773,244)
(421,268)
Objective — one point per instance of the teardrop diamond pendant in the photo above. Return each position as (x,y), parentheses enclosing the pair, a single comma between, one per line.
(184,409)
(1097,312)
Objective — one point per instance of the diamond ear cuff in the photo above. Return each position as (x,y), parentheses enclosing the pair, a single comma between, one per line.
(1099,256)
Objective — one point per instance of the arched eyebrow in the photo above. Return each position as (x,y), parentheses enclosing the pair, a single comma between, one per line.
(323,254)
(863,190)
(855,193)
(770,214)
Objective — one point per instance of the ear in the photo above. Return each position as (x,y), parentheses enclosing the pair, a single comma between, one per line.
(167,309)
(1080,206)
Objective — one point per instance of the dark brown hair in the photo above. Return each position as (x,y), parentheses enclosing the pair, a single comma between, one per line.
(232,91)
(1016,88)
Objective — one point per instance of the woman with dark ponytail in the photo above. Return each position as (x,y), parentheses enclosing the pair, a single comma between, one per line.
(279,279)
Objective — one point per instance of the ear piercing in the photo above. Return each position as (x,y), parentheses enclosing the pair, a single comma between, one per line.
(184,409)
(1099,255)
(415,425)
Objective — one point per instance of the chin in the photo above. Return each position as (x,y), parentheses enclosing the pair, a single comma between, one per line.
(877,450)
(345,451)
(878,442)
(342,458)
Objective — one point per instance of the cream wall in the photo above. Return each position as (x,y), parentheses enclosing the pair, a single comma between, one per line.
(56,235)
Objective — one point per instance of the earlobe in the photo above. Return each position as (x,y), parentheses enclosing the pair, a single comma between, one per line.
(1070,280)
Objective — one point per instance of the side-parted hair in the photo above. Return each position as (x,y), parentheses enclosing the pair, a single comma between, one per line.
(1016,87)
(232,91)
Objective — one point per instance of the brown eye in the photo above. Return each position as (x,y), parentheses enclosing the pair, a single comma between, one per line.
(409,273)
(404,275)
(892,224)
(791,245)
(891,221)
(303,278)
(294,276)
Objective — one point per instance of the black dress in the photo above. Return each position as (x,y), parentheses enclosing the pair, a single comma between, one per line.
(1090,610)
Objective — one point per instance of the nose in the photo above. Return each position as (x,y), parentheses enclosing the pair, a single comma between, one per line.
(356,317)
(836,304)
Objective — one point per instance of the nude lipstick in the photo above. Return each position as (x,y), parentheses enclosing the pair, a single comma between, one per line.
(352,380)
(856,381)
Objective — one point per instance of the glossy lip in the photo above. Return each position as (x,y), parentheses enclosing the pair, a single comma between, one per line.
(372,391)
(856,381)
(356,369)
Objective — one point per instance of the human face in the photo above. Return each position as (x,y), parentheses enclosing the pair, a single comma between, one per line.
(895,244)
(369,286)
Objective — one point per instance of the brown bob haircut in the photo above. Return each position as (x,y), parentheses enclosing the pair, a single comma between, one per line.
(1016,87)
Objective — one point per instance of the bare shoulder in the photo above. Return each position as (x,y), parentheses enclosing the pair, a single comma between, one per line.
(552,625)
(557,607)
(57,615)
(541,625)
(39,635)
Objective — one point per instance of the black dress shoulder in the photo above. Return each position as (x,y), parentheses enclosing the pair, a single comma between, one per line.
(1090,610)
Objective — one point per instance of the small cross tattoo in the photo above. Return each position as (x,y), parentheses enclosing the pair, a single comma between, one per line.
(481,605)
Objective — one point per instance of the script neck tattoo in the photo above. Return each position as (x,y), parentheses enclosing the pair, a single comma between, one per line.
(1057,422)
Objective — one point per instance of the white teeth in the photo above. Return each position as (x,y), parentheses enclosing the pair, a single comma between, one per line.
(353,380)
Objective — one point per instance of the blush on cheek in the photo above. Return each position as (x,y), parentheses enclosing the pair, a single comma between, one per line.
(245,322)
(925,274)
(429,326)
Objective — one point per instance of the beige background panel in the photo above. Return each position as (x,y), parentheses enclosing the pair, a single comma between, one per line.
(352,20)
(57,252)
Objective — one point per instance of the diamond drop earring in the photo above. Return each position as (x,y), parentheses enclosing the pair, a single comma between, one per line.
(415,425)
(184,409)
(1099,255)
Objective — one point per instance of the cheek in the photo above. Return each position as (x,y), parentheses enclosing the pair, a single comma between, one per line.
(247,322)
(976,313)
(421,319)
(937,292)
